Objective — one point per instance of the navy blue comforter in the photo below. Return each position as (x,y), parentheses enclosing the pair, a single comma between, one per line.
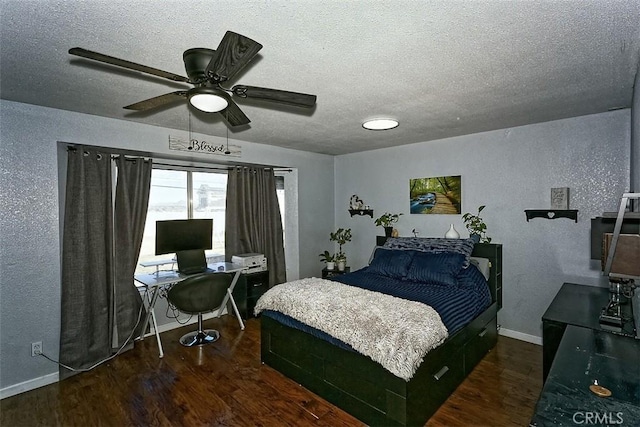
(457,305)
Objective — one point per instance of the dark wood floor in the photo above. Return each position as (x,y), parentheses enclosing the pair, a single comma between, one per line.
(224,384)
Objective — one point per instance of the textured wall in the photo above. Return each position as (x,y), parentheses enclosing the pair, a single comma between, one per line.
(29,249)
(635,138)
(29,225)
(509,171)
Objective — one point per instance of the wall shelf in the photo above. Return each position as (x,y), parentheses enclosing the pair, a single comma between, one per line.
(551,213)
(361,212)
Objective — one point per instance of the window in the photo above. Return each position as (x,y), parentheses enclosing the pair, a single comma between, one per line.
(280,195)
(185,194)
(209,201)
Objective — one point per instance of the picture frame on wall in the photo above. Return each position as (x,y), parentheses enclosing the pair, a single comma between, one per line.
(436,195)
(560,198)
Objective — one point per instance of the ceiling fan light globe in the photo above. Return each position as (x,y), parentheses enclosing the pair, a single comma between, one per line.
(208,102)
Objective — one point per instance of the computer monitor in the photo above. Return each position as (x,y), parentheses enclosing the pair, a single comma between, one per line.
(187,238)
(182,235)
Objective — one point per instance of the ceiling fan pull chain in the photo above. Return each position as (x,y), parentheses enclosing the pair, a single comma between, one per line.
(190,136)
(227,152)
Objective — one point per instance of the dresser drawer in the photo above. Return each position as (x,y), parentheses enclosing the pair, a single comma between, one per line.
(446,373)
(257,284)
(483,341)
(247,291)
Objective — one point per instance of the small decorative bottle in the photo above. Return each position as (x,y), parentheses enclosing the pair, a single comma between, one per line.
(452,233)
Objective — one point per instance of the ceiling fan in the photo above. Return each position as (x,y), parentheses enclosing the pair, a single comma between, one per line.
(207,70)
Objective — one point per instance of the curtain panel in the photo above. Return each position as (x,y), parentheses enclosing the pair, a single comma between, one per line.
(132,200)
(253,221)
(87,268)
(101,307)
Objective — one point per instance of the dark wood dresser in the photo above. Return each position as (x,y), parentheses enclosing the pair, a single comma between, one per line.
(577,305)
(578,354)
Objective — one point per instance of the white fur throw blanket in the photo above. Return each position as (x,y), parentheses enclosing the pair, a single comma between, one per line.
(394,332)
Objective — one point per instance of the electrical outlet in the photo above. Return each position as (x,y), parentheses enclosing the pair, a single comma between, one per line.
(36,348)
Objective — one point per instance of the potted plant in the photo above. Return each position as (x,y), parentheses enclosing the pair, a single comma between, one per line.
(329,258)
(387,220)
(476,226)
(341,236)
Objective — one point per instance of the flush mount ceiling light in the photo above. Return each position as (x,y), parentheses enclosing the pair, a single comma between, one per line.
(208,99)
(380,124)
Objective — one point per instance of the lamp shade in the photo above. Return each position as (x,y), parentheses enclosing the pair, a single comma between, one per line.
(208,99)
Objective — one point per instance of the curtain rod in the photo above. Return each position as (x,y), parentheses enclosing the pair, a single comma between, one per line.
(130,158)
(127,157)
(275,169)
(223,168)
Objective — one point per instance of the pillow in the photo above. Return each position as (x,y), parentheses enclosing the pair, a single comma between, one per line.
(391,263)
(433,245)
(373,253)
(483,264)
(439,269)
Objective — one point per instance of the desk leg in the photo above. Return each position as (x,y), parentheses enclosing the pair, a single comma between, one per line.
(151,315)
(155,329)
(152,303)
(229,296)
(235,309)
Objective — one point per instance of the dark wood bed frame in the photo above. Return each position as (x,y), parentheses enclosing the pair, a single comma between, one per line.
(363,387)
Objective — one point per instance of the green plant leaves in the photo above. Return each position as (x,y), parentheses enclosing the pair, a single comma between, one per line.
(475,225)
(387,219)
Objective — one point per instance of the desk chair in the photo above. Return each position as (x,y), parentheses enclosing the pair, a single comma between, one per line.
(198,294)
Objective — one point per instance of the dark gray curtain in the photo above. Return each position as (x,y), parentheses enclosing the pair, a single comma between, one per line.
(132,199)
(87,269)
(253,221)
(101,244)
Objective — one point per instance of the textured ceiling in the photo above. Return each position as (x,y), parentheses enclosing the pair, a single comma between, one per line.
(442,68)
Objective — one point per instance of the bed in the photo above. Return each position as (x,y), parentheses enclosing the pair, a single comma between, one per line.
(361,386)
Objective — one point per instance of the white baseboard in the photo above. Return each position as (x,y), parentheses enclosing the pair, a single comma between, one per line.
(12,390)
(520,336)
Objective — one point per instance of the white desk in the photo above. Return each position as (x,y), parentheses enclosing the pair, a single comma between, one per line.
(153,282)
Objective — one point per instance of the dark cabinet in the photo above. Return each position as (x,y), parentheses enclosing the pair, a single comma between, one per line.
(249,288)
(580,354)
(492,251)
(590,363)
(328,274)
(577,305)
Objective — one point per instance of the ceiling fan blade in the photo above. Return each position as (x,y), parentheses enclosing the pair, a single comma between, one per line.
(158,101)
(234,115)
(234,52)
(78,51)
(293,98)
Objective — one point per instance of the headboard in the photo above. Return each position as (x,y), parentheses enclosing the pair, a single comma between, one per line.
(491,251)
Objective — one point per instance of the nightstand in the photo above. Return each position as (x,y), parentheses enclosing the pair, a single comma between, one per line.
(328,274)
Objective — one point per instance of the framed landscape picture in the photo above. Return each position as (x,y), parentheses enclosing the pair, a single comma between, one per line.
(438,195)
